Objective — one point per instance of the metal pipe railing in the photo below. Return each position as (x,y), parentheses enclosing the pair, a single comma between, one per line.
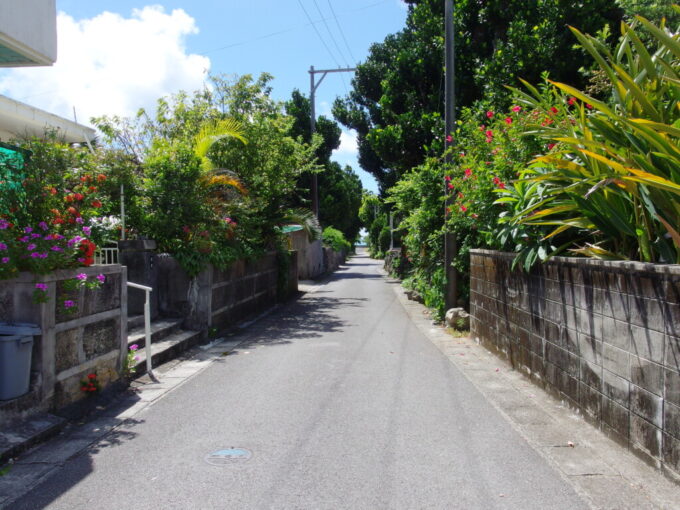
(147,323)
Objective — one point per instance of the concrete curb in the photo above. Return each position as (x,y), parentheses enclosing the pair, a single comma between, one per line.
(605,474)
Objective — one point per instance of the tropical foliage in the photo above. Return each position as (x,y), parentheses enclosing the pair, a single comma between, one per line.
(612,183)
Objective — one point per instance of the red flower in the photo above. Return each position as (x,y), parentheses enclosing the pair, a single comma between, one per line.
(72,210)
(468,173)
(447,178)
(489,114)
(489,139)
(91,376)
(516,109)
(84,178)
(475,215)
(449,185)
(463,208)
(57,221)
(553,109)
(488,133)
(571,101)
(68,198)
(589,106)
(501,185)
(96,203)
(53,191)
(482,127)
(78,196)
(460,195)
(508,120)
(101,178)
(551,146)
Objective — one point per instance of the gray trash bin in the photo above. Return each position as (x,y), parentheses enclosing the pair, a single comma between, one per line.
(16,345)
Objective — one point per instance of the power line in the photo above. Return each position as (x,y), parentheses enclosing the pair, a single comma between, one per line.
(319,34)
(286,30)
(342,55)
(342,33)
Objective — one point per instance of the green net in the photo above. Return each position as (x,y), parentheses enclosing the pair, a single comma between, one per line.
(12,162)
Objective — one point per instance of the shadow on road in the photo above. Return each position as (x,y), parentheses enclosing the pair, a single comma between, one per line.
(80,466)
(310,317)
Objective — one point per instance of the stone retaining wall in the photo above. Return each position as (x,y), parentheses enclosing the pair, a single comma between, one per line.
(91,338)
(603,336)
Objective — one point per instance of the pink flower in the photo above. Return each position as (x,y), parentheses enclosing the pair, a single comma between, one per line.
(81,276)
(69,304)
(449,185)
(516,109)
(508,120)
(589,106)
(134,347)
(101,278)
(489,114)
(488,133)
(449,138)
(79,220)
(4,224)
(56,248)
(31,247)
(5,260)
(43,225)
(468,173)
(3,246)
(28,230)
(41,286)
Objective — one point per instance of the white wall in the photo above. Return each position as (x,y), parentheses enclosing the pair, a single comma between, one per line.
(29,27)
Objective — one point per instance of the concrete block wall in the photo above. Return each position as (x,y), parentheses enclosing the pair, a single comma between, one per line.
(310,255)
(218,298)
(603,336)
(72,345)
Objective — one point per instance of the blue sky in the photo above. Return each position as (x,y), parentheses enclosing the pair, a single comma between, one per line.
(115,57)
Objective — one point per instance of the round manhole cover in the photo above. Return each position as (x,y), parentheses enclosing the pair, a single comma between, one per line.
(228,456)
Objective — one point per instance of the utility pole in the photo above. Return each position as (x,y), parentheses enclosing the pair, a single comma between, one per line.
(312,118)
(450,241)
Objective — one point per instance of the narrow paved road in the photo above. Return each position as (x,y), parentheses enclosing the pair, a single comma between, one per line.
(343,404)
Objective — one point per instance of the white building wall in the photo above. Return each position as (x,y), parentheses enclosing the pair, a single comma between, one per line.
(29,27)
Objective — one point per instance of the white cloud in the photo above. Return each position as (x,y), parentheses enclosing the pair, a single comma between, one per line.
(112,65)
(348,144)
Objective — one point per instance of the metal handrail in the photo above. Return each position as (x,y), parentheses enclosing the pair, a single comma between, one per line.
(147,323)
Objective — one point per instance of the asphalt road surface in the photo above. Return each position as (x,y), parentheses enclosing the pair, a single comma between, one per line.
(340,402)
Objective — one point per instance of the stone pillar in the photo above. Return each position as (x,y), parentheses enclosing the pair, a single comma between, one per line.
(140,258)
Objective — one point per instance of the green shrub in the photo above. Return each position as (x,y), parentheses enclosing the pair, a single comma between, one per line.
(335,239)
(610,184)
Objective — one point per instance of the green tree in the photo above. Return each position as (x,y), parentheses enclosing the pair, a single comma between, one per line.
(339,188)
(396,105)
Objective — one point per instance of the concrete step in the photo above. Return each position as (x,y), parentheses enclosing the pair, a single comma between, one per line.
(160,329)
(19,437)
(135,322)
(167,349)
